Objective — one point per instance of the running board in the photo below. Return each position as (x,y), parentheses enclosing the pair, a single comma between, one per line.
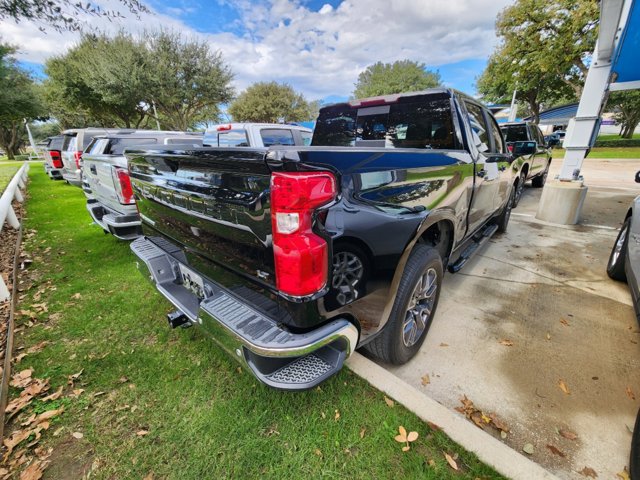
(478,240)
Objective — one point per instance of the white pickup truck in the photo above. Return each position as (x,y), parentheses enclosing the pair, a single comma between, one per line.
(256,135)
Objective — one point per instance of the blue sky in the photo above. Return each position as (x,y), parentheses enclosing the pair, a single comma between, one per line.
(319,47)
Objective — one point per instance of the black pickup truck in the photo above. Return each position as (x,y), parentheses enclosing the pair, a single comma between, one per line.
(293,257)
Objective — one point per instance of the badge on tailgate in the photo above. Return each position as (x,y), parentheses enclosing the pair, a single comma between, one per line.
(192,281)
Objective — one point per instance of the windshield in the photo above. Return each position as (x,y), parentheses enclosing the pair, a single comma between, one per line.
(413,122)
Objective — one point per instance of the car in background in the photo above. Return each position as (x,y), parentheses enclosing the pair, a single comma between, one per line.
(532,154)
(624,260)
(105,177)
(53,157)
(75,141)
(257,135)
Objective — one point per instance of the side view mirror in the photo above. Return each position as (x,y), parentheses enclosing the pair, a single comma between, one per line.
(638,177)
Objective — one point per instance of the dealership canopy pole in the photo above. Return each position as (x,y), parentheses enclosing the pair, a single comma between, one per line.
(562,199)
(513,112)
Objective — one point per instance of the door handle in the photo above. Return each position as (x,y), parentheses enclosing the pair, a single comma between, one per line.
(481,173)
(93,169)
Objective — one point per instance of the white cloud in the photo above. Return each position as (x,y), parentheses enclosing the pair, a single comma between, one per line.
(318,52)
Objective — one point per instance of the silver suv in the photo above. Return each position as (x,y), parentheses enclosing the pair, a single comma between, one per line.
(105,177)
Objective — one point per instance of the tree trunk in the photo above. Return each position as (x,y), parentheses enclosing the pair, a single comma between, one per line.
(629,129)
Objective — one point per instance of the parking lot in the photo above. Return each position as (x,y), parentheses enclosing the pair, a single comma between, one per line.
(533,330)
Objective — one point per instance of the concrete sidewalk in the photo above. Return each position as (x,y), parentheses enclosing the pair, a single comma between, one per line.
(544,289)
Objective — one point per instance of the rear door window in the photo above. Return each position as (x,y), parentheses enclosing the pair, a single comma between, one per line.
(306,137)
(276,136)
(98,146)
(498,143)
(233,138)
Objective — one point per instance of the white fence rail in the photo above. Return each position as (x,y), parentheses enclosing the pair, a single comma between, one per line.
(8,215)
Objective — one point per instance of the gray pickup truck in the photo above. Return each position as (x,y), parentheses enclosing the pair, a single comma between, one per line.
(293,257)
(105,178)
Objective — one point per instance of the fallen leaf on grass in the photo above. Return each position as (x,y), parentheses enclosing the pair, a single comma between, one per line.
(149,476)
(506,342)
(38,347)
(405,438)
(14,440)
(444,344)
(563,387)
(548,336)
(434,427)
(568,434)
(528,448)
(76,296)
(74,377)
(19,358)
(49,414)
(54,396)
(123,379)
(77,435)
(336,417)
(318,452)
(388,401)
(21,379)
(452,463)
(565,322)
(588,472)
(630,393)
(362,432)
(34,471)
(142,433)
(76,392)
(426,380)
(556,451)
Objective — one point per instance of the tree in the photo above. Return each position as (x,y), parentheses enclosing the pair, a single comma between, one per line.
(272,102)
(20,100)
(544,52)
(398,77)
(626,105)
(188,80)
(61,14)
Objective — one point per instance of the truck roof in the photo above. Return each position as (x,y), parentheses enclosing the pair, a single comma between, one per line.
(245,125)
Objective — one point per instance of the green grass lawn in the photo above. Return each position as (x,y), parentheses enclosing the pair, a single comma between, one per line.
(7,171)
(616,137)
(204,416)
(606,152)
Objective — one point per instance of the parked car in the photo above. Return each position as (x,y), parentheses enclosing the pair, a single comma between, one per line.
(105,178)
(293,257)
(53,157)
(75,141)
(533,155)
(624,260)
(256,135)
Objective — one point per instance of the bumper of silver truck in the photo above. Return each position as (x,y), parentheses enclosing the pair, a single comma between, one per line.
(276,356)
(124,227)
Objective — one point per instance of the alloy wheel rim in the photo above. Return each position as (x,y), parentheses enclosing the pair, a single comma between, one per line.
(347,273)
(420,308)
(617,249)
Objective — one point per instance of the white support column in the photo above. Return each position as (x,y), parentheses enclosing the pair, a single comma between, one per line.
(582,130)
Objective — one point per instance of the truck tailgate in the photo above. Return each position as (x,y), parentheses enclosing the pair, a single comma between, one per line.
(215,203)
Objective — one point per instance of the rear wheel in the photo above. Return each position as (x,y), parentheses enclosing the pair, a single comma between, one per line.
(503,220)
(413,310)
(519,189)
(615,267)
(540,180)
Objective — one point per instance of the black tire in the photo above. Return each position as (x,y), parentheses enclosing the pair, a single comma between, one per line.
(399,341)
(615,265)
(634,460)
(540,180)
(519,188)
(356,283)
(503,219)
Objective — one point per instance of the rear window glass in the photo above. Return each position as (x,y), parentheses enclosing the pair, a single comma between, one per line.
(417,122)
(69,143)
(233,138)
(276,136)
(515,133)
(117,145)
(97,146)
(56,143)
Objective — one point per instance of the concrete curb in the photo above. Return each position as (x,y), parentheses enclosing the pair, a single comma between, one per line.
(504,459)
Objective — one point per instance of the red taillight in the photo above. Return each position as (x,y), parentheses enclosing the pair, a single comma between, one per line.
(56,158)
(78,157)
(222,128)
(510,148)
(301,257)
(122,183)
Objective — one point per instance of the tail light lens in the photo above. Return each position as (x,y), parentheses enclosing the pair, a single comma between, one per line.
(78,157)
(301,257)
(510,148)
(56,158)
(122,183)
